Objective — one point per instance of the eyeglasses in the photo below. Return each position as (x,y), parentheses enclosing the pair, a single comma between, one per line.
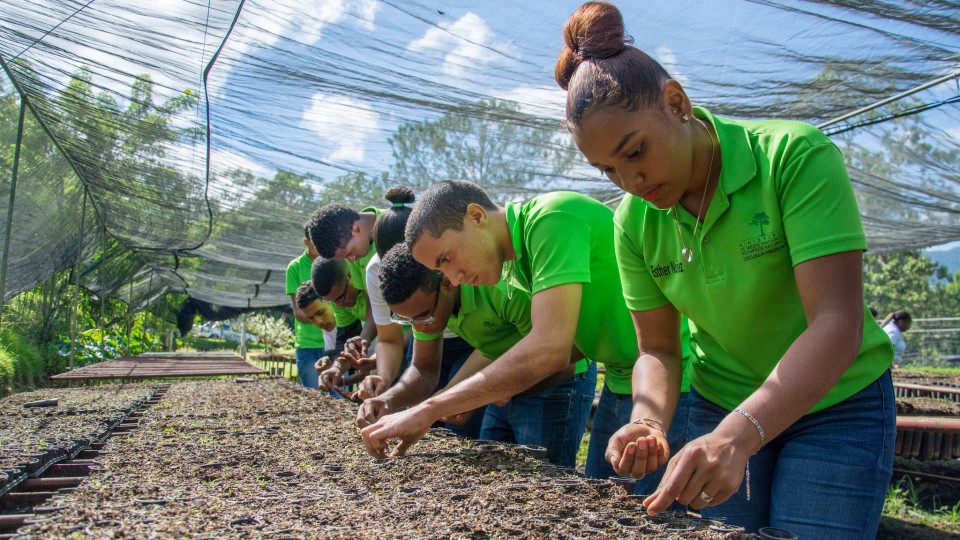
(343,295)
(426,319)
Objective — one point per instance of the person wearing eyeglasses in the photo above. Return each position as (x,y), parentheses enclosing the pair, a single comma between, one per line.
(557,248)
(491,318)
(331,280)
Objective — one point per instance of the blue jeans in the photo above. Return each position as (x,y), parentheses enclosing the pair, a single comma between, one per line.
(554,417)
(455,354)
(306,372)
(826,476)
(613,412)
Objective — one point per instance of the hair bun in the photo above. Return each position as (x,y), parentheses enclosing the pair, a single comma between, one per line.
(400,195)
(594,31)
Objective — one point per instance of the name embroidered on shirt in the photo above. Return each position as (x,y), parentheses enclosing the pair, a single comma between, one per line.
(660,270)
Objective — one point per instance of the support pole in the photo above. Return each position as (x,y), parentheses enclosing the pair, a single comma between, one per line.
(103,289)
(76,286)
(12,199)
(130,314)
(882,102)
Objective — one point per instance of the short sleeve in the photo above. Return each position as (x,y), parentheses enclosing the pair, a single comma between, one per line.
(559,249)
(344,316)
(420,336)
(819,209)
(293,281)
(640,291)
(381,311)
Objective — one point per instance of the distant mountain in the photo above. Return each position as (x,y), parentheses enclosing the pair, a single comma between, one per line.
(949,258)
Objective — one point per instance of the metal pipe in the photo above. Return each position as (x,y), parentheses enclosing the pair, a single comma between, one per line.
(942,424)
(926,475)
(13,196)
(928,388)
(891,99)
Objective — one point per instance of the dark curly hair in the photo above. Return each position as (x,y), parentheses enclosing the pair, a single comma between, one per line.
(442,207)
(329,228)
(390,226)
(325,273)
(401,275)
(306,295)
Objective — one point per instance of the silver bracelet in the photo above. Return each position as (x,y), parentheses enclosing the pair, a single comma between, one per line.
(650,422)
(755,423)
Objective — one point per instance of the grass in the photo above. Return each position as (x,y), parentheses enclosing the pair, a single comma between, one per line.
(917,369)
(289,368)
(906,516)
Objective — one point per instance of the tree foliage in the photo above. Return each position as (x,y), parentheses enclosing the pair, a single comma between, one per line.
(494,146)
(908,280)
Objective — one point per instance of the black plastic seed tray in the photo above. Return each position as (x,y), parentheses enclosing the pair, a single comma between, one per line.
(14,476)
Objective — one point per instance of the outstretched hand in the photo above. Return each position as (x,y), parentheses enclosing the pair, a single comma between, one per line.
(331,378)
(371,387)
(371,410)
(706,472)
(409,426)
(637,450)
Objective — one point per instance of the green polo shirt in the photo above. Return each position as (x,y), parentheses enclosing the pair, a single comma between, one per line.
(348,315)
(306,335)
(491,319)
(783,198)
(565,237)
(358,268)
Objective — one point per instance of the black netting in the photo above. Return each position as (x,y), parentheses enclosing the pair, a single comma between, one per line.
(306,103)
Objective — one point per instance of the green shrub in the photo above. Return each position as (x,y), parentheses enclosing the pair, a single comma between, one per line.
(29,368)
(6,371)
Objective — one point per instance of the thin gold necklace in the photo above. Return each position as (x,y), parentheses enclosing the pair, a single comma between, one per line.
(686,254)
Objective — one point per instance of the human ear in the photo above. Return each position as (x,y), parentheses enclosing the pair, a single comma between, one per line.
(675,99)
(475,214)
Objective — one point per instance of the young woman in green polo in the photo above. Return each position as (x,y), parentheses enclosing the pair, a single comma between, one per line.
(751,229)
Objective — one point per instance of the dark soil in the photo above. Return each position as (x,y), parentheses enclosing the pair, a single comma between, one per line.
(926,377)
(926,406)
(898,529)
(216,459)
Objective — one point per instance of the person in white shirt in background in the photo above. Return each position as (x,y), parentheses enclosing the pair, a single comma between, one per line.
(895,324)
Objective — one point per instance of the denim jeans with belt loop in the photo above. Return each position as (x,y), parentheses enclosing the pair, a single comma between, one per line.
(554,417)
(826,476)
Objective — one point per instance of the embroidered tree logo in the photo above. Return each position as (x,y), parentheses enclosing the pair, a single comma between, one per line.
(760,219)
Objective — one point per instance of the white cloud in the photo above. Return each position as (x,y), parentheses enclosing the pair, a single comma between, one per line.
(668,59)
(953,133)
(538,100)
(262,25)
(466,41)
(224,160)
(343,122)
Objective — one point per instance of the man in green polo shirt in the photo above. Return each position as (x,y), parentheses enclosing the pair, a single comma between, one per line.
(558,248)
(332,282)
(340,232)
(491,319)
(310,341)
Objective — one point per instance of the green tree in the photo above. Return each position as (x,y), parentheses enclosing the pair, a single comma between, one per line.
(493,145)
(903,280)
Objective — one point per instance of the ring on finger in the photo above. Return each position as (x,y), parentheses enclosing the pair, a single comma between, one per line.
(705,498)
